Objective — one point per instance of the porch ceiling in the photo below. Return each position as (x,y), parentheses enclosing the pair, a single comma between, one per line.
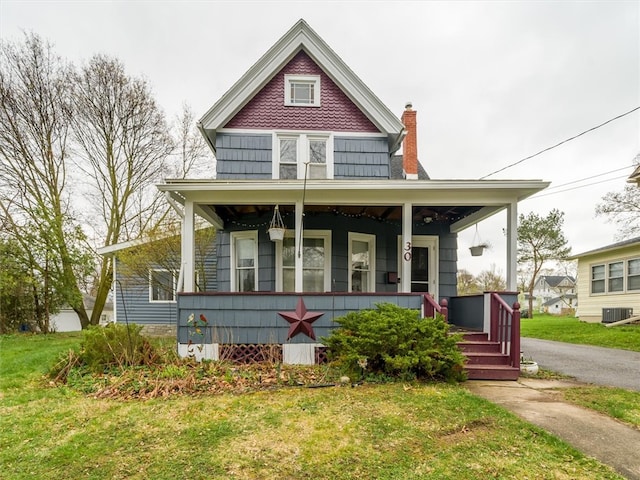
(428,214)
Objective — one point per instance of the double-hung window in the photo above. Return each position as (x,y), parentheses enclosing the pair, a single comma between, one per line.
(162,285)
(633,274)
(616,277)
(244,261)
(303,155)
(597,279)
(362,254)
(316,262)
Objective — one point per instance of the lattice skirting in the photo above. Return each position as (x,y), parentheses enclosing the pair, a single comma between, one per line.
(306,354)
(251,353)
(321,355)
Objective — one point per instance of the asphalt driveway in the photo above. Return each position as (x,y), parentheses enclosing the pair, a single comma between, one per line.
(597,365)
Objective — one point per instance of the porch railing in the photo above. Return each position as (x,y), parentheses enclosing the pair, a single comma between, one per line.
(430,307)
(505,327)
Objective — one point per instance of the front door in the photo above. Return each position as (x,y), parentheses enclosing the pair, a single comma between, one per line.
(424,264)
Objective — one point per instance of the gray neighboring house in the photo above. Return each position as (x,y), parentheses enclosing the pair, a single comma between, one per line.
(302,143)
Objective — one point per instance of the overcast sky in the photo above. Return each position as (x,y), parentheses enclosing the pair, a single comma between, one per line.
(493,82)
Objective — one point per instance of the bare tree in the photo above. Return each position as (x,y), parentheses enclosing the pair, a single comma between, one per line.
(35,116)
(123,142)
(491,280)
(467,284)
(192,157)
(623,209)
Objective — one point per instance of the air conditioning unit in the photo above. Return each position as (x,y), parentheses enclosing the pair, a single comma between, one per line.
(610,315)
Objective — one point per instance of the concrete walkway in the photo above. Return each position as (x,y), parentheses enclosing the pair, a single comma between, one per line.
(594,434)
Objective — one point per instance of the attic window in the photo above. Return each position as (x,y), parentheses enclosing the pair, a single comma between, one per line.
(302,90)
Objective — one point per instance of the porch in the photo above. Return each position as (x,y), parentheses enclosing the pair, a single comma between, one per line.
(291,325)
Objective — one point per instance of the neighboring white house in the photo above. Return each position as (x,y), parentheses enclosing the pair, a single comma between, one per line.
(555,294)
(66,320)
(609,281)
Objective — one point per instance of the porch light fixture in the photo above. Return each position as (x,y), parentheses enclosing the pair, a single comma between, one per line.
(276,226)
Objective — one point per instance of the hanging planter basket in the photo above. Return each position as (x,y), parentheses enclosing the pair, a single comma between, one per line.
(276,226)
(276,234)
(478,246)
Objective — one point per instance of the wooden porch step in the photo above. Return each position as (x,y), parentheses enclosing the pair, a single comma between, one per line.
(487,358)
(492,372)
(475,337)
(479,346)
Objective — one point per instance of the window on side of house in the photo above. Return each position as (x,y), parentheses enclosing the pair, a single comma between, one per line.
(633,274)
(300,154)
(162,285)
(362,254)
(597,279)
(244,261)
(616,277)
(316,264)
(302,90)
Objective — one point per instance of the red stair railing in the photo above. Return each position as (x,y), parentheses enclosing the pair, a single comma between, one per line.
(505,327)
(431,307)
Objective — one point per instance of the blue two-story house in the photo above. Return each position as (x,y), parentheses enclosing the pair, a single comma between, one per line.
(302,143)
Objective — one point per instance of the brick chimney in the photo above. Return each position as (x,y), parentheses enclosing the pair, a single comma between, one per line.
(410,144)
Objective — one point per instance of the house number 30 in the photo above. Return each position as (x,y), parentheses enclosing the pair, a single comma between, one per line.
(407,252)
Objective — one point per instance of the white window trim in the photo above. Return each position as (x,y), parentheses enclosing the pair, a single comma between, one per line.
(323,234)
(303,139)
(371,240)
(251,234)
(289,79)
(173,279)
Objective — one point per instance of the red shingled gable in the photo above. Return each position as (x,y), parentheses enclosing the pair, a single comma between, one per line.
(267,110)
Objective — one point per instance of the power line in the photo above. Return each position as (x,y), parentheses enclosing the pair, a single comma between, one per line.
(575,188)
(562,142)
(586,178)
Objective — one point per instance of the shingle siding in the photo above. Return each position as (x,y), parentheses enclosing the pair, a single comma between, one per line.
(266,110)
(386,252)
(243,156)
(361,158)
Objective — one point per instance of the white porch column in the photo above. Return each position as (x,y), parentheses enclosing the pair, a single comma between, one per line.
(405,248)
(512,247)
(188,248)
(298,246)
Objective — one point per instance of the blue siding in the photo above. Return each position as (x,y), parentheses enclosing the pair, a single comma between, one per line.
(253,318)
(132,292)
(355,157)
(243,156)
(386,251)
(249,157)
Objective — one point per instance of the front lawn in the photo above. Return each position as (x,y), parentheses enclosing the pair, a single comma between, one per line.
(389,431)
(572,330)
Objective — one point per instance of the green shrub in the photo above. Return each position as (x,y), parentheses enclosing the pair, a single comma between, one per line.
(390,340)
(117,345)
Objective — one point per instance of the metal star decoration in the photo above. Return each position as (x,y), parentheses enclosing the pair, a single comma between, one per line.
(301,320)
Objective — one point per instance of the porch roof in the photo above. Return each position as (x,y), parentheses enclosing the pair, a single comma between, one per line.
(473,200)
